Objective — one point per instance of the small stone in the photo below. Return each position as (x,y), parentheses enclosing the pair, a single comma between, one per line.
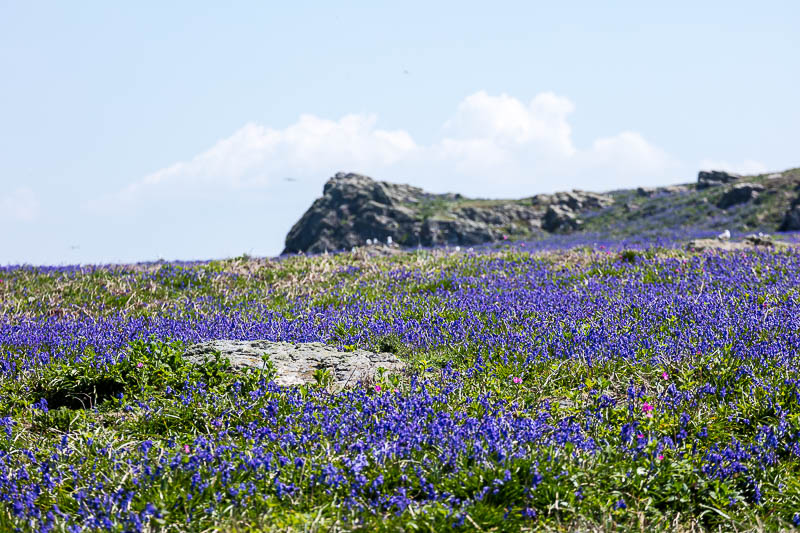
(759,240)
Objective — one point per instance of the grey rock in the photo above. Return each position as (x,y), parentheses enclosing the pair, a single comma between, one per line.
(457,232)
(751,242)
(791,219)
(559,218)
(655,191)
(739,194)
(576,200)
(355,208)
(499,215)
(760,239)
(296,363)
(712,178)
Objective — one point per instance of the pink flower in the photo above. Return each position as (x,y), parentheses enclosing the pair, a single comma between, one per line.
(665,375)
(139,365)
(186,449)
(640,435)
(377,388)
(660,457)
(517,380)
(648,409)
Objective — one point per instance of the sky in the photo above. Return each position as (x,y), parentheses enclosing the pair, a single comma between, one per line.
(188,130)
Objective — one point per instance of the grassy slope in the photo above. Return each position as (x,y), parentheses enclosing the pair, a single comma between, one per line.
(574,489)
(632,214)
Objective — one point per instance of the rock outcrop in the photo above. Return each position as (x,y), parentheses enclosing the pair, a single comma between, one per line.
(354,208)
(712,178)
(791,220)
(297,363)
(754,241)
(739,194)
(560,218)
(649,192)
(576,200)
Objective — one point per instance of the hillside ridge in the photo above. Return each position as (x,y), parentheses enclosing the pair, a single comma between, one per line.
(355,209)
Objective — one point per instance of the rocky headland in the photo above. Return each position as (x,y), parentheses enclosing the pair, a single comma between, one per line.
(355,210)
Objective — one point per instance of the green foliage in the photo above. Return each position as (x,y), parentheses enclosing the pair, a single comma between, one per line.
(389,344)
(147,370)
(323,378)
(628,256)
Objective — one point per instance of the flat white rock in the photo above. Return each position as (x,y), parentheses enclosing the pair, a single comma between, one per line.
(296,363)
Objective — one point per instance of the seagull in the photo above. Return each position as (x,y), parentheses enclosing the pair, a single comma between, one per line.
(725,235)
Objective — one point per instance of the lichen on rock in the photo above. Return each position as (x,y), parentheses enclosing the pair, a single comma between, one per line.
(297,363)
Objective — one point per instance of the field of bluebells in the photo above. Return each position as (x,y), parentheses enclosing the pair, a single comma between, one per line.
(590,386)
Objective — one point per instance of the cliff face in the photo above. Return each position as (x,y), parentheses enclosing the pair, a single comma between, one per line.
(355,208)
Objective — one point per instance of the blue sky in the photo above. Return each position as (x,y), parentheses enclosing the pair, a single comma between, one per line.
(145,131)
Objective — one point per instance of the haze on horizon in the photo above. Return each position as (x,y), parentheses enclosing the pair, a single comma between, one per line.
(188,131)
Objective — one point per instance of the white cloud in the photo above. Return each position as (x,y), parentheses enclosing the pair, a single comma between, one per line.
(256,155)
(747,166)
(491,146)
(629,156)
(20,204)
(508,122)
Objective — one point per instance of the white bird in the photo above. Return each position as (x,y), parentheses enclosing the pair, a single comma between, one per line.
(725,235)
